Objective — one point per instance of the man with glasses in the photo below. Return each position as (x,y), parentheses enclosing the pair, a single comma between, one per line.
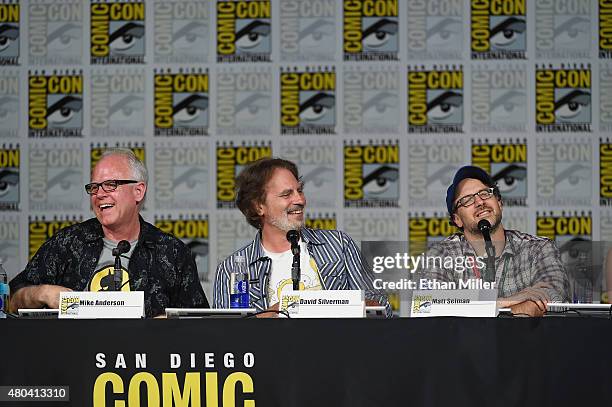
(528,271)
(80,257)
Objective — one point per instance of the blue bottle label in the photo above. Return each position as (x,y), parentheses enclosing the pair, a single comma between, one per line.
(239,298)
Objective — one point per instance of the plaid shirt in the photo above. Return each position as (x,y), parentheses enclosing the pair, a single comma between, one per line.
(337,258)
(525,261)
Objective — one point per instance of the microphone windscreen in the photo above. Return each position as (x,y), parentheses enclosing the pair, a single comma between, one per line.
(484,225)
(293,236)
(123,246)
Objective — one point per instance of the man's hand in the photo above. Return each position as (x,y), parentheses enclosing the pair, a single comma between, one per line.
(272,314)
(37,296)
(528,308)
(536,295)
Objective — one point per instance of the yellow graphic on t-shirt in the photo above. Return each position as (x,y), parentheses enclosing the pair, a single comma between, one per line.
(103,279)
(307,284)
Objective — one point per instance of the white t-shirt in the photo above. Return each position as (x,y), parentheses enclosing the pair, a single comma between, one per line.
(280,273)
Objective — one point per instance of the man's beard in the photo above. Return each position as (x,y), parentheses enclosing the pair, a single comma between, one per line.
(284,224)
(494,225)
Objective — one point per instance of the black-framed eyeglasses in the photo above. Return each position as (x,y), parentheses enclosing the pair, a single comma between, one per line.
(468,200)
(108,186)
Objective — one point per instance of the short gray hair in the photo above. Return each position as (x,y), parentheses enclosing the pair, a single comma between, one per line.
(139,171)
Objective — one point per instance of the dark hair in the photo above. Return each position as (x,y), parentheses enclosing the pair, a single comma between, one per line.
(251,185)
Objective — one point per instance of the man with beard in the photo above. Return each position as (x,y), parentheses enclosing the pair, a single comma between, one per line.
(271,197)
(528,271)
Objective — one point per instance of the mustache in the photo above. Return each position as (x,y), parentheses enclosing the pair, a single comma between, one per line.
(294,208)
(483,207)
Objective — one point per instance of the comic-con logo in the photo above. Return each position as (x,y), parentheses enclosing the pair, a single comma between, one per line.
(41,229)
(181,31)
(55,105)
(498,29)
(117,102)
(181,103)
(9,177)
(499,99)
(55,177)
(371,175)
(605,29)
(9,241)
(605,97)
(371,30)
(70,306)
(506,162)
(563,99)
(97,149)
(9,34)
(9,103)
(371,101)
(605,172)
(325,221)
(572,232)
(435,100)
(232,233)
(435,29)
(193,231)
(431,167)
(424,231)
(308,101)
(316,160)
(55,32)
(181,175)
(308,30)
(564,172)
(563,28)
(376,226)
(244,102)
(117,32)
(244,31)
(231,159)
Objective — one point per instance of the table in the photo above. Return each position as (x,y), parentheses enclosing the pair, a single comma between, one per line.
(347,362)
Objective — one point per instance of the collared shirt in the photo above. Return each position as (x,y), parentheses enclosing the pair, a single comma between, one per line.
(525,261)
(334,252)
(161,265)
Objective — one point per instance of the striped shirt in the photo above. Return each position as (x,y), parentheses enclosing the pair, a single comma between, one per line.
(525,261)
(335,254)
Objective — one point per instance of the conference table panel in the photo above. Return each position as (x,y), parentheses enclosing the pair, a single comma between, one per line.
(331,362)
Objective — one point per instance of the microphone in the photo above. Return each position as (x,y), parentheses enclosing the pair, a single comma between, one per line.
(293,236)
(485,228)
(122,247)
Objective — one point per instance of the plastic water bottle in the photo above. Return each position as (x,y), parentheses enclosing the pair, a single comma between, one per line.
(239,284)
(4,292)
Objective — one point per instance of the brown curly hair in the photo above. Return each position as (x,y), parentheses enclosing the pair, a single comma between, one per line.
(251,185)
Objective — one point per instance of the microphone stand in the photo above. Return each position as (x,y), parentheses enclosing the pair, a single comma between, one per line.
(485,226)
(122,247)
(295,269)
(490,249)
(293,236)
(116,282)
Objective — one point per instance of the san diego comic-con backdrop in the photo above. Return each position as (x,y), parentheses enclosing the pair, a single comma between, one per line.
(377,101)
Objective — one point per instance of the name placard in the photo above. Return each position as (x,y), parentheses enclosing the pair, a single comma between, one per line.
(453,303)
(323,304)
(101,304)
